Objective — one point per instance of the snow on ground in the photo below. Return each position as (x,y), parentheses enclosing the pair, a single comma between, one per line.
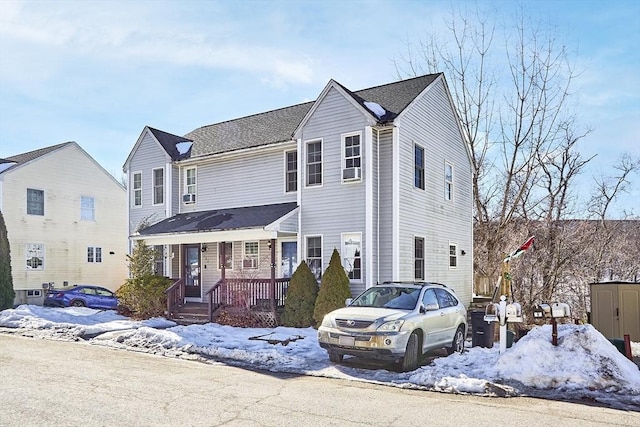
(585,366)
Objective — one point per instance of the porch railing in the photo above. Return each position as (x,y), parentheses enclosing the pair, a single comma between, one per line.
(175,296)
(246,293)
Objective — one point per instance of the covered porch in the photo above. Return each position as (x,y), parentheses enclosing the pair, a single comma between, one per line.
(238,258)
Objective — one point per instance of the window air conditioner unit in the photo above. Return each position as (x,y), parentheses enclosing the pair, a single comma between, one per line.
(351,174)
(188,198)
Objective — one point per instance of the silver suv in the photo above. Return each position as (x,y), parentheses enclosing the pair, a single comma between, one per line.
(397,322)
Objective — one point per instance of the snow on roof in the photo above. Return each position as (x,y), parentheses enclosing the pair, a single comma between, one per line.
(375,108)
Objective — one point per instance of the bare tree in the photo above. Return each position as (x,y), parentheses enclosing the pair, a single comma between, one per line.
(513,106)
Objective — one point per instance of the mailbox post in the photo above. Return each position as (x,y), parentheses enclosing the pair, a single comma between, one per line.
(554,311)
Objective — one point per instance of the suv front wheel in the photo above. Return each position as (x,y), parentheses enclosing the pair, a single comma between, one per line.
(413,354)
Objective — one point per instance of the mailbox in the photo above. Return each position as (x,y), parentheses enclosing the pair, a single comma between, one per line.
(538,312)
(560,309)
(492,312)
(514,313)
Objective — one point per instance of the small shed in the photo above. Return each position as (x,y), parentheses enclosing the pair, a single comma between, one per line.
(615,309)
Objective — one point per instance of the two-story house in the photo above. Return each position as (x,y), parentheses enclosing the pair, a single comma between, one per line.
(66,220)
(381,174)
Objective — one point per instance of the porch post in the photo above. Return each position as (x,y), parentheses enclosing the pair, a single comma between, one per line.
(272,288)
(222,259)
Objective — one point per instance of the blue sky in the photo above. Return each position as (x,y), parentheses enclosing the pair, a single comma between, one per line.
(97,72)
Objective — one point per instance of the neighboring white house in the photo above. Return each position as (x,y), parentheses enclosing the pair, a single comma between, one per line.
(382,174)
(66,220)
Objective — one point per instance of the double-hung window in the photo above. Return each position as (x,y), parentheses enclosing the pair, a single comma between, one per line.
(314,163)
(190,185)
(453,255)
(352,255)
(448,181)
(250,259)
(418,173)
(136,189)
(35,202)
(314,255)
(291,171)
(352,157)
(418,258)
(158,186)
(87,208)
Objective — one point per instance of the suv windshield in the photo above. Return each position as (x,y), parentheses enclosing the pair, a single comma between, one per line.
(388,297)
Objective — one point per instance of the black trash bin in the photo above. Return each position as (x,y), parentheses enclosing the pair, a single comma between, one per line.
(482,332)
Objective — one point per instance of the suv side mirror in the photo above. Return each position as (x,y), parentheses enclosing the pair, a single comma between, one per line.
(348,301)
(428,307)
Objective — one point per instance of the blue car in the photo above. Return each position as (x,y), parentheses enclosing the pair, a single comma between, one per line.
(82,296)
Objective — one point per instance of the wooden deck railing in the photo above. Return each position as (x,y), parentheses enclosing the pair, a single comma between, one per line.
(175,296)
(246,293)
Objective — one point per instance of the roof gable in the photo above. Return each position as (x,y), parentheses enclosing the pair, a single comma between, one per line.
(24,158)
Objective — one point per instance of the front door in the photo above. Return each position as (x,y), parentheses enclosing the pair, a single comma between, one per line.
(192,271)
(289,258)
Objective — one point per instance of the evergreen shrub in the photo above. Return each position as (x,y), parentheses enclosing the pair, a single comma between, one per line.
(301,298)
(334,289)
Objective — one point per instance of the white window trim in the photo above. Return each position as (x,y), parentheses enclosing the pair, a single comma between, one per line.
(424,258)
(343,138)
(34,293)
(233,258)
(95,248)
(186,185)
(449,183)
(306,249)
(286,171)
(424,168)
(344,251)
(256,256)
(306,150)
(449,255)
(43,256)
(93,210)
(133,190)
(153,186)
(279,243)
(44,198)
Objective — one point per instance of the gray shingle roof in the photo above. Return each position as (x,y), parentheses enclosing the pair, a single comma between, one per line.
(169,141)
(19,159)
(220,219)
(278,125)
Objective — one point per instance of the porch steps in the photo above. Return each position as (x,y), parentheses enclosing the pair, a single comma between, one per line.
(192,313)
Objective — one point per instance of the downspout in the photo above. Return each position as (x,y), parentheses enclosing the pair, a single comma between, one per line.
(395,150)
(378,206)
(368,138)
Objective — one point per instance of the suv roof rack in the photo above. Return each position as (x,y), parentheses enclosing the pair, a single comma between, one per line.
(412,282)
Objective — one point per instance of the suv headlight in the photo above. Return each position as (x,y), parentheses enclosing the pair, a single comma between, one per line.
(326,322)
(392,326)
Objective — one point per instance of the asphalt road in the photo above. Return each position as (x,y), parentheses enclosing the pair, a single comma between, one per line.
(55,383)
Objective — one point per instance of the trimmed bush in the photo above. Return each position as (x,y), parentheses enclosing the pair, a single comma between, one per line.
(301,298)
(143,297)
(7,294)
(334,289)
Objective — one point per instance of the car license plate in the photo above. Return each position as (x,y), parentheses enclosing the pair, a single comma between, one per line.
(345,340)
